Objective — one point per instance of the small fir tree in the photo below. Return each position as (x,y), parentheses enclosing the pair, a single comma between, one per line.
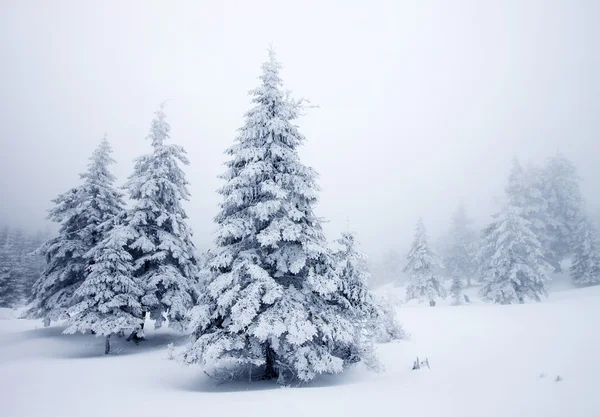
(424,283)
(380,323)
(109,296)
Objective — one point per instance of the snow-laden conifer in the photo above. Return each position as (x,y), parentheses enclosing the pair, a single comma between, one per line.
(512,265)
(109,297)
(525,190)
(80,212)
(424,282)
(379,318)
(159,239)
(585,265)
(274,301)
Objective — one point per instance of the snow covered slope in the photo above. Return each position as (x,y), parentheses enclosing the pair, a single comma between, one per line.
(486,360)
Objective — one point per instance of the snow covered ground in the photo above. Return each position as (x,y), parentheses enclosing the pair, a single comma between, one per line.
(486,360)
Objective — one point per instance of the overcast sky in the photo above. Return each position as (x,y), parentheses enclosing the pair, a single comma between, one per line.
(422,104)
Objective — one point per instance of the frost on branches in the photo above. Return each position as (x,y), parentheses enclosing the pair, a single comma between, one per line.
(81,212)
(379,318)
(159,239)
(109,296)
(513,267)
(274,303)
(585,265)
(424,283)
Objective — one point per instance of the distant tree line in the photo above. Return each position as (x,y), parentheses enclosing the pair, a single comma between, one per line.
(21,262)
(542,223)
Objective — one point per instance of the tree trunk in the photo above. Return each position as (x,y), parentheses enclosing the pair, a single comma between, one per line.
(270,371)
(107,345)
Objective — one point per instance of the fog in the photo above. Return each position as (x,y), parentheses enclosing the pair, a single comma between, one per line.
(421,104)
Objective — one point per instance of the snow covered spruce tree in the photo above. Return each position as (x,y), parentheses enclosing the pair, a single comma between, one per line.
(81,212)
(274,305)
(459,253)
(525,190)
(560,190)
(585,265)
(512,262)
(423,283)
(380,323)
(512,265)
(159,239)
(109,297)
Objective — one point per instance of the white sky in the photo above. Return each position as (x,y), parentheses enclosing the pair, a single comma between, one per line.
(422,104)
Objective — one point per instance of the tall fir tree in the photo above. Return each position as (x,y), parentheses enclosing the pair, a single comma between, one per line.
(460,250)
(560,190)
(274,303)
(81,212)
(160,240)
(585,265)
(424,282)
(109,297)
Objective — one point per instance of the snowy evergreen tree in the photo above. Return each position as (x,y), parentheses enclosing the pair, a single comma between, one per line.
(512,264)
(460,251)
(525,190)
(585,266)
(274,301)
(160,240)
(378,317)
(109,296)
(81,212)
(560,189)
(424,283)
